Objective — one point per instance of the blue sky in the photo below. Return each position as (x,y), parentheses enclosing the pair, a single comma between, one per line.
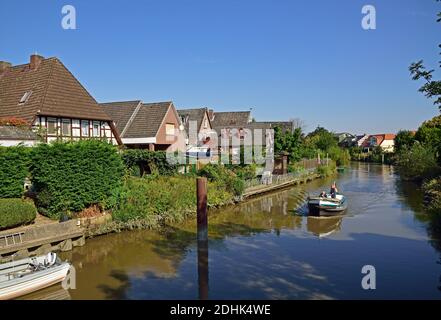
(285,59)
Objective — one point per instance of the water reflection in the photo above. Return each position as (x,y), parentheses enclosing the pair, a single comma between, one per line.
(324,226)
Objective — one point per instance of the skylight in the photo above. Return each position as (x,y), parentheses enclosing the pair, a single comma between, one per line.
(25,97)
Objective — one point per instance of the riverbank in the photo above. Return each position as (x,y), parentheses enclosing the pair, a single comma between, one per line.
(158,221)
(47,235)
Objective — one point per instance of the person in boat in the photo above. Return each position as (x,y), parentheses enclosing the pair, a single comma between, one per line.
(323,194)
(334,190)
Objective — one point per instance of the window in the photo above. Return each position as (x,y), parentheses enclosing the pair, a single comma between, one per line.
(66,127)
(170,129)
(52,126)
(25,97)
(85,128)
(205,123)
(96,129)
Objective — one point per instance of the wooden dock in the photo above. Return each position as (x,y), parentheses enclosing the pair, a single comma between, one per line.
(262,189)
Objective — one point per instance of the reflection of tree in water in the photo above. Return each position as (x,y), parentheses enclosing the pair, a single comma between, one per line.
(412,196)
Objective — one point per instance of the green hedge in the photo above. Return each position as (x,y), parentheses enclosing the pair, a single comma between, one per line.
(70,177)
(15,212)
(142,162)
(14,168)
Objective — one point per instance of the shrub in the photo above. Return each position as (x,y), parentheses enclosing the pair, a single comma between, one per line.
(16,212)
(69,177)
(432,191)
(340,156)
(245,172)
(14,168)
(170,198)
(142,162)
(417,162)
(221,174)
(325,170)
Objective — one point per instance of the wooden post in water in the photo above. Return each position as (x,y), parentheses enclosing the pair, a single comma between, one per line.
(201,189)
(202,234)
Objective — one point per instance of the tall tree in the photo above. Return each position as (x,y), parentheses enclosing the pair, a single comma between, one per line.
(431,88)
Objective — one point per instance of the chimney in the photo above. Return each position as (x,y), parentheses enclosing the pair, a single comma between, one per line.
(35,61)
(4,66)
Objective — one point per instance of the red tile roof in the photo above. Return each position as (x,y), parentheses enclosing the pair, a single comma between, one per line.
(55,92)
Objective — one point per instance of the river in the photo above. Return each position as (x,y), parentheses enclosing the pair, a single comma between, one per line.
(267,248)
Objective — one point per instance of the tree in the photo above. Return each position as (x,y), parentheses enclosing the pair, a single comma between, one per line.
(432,88)
(404,139)
(288,141)
(322,139)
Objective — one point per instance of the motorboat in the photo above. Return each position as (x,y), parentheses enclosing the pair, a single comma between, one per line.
(21,277)
(327,205)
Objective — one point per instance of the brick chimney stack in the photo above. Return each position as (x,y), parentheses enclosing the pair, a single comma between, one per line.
(35,61)
(4,66)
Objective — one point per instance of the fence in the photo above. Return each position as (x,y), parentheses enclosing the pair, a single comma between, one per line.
(308,165)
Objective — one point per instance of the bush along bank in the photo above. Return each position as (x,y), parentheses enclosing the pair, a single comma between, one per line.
(153,201)
(418,157)
(16,212)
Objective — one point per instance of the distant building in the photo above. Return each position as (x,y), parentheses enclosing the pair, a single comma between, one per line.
(200,118)
(13,136)
(360,139)
(385,141)
(46,95)
(346,139)
(154,126)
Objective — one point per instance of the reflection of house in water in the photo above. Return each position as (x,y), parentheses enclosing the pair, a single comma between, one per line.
(324,226)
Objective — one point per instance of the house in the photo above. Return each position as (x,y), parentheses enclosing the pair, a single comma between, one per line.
(360,139)
(13,136)
(46,95)
(229,120)
(197,120)
(385,141)
(154,126)
(229,125)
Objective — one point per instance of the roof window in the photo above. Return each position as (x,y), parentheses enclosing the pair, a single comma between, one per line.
(25,97)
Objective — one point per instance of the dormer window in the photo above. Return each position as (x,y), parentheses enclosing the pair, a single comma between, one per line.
(25,97)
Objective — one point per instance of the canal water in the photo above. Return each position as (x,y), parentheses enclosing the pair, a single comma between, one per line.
(268,248)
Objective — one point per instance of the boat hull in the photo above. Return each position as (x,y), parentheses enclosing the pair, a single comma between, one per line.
(34,282)
(326,207)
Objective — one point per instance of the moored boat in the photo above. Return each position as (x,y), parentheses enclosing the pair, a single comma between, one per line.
(326,206)
(25,276)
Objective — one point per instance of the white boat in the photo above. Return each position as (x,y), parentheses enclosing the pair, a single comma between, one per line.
(327,205)
(21,277)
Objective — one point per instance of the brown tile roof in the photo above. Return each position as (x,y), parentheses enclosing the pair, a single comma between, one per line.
(17,133)
(55,92)
(284,125)
(120,112)
(193,115)
(145,120)
(380,139)
(238,119)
